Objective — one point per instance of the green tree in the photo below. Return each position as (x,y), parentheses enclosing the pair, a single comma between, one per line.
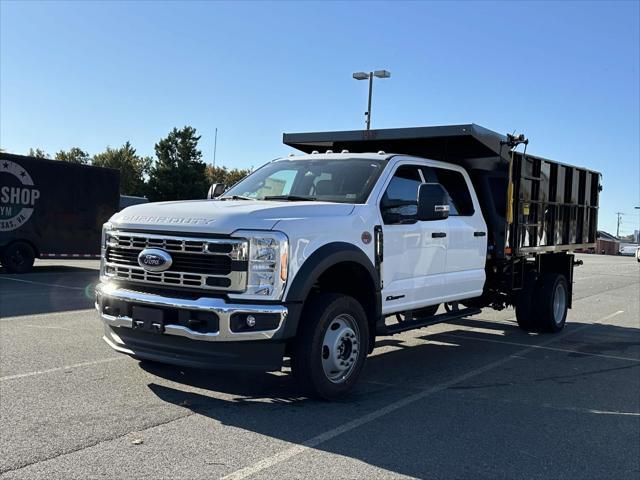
(133,168)
(38,153)
(225,175)
(74,155)
(179,172)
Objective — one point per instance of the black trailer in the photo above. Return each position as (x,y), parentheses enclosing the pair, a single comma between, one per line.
(537,210)
(52,209)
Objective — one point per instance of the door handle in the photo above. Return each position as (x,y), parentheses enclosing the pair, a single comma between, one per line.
(479,234)
(438,235)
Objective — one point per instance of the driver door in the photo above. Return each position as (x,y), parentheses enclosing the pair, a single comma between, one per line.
(414,259)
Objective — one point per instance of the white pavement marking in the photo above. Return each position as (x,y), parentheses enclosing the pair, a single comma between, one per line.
(566,350)
(47,326)
(604,412)
(37,316)
(41,283)
(63,368)
(370,417)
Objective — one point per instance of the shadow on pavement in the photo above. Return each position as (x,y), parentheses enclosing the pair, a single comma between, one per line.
(504,427)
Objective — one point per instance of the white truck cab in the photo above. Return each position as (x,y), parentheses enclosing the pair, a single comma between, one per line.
(311,257)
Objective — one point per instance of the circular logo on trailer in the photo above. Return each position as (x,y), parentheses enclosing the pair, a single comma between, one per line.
(154,260)
(18,196)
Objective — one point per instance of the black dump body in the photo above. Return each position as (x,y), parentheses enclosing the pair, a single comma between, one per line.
(57,207)
(531,204)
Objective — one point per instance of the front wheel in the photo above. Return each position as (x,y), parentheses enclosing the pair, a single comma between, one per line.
(331,346)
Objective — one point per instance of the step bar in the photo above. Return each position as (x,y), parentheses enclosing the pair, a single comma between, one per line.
(412,324)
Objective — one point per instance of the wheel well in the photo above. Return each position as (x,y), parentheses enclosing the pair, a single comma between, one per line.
(351,278)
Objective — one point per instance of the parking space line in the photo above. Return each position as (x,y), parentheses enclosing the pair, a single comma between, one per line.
(36,316)
(60,369)
(313,442)
(566,350)
(41,283)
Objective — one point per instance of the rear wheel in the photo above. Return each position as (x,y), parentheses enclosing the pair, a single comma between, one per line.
(543,303)
(552,302)
(331,346)
(18,257)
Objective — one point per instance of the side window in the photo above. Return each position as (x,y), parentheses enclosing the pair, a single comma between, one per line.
(399,203)
(454,183)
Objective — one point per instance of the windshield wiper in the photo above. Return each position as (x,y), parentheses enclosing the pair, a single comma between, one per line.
(292,198)
(235,197)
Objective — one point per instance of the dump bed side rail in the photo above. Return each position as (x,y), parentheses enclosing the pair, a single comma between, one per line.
(555,207)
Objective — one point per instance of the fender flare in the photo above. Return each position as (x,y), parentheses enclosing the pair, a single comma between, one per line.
(319,262)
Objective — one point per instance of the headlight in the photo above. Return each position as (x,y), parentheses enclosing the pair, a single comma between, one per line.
(268,264)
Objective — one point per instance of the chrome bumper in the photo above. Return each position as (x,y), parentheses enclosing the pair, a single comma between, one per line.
(218,306)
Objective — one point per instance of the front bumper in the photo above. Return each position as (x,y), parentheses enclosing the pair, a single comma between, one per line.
(225,343)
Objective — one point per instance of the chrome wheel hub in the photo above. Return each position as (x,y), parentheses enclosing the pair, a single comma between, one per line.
(559,303)
(340,348)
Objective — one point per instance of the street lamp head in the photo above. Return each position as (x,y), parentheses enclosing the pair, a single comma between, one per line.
(382,74)
(361,76)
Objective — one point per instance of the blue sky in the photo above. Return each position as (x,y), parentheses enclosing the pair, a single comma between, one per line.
(96,74)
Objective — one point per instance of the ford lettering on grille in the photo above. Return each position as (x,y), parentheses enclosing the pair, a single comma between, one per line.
(154,260)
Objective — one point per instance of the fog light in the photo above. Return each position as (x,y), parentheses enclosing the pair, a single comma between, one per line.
(251,321)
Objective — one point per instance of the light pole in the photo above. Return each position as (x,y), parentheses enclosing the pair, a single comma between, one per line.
(369,76)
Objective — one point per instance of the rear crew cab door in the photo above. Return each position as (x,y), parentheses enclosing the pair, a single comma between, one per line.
(467,246)
(414,252)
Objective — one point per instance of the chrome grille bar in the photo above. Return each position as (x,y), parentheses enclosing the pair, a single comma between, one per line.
(195,258)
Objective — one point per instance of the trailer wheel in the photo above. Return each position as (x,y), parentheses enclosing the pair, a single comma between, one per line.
(552,301)
(525,304)
(18,257)
(330,349)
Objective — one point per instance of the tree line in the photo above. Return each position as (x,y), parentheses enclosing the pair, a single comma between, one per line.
(177,173)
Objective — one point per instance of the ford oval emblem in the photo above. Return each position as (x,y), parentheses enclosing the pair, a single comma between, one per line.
(154,260)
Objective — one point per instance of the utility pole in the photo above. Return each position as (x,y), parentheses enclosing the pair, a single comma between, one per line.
(215,147)
(619,214)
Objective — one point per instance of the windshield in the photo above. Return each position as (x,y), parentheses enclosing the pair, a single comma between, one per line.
(347,180)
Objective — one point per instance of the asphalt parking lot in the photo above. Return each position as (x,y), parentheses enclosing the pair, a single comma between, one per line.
(471,399)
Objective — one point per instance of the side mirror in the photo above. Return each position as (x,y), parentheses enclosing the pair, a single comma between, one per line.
(216,190)
(433,202)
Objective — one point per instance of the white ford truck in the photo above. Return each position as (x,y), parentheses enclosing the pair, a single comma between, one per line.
(315,255)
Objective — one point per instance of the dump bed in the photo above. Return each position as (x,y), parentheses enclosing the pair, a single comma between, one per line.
(531,204)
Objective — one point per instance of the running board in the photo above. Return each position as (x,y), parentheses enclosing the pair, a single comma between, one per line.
(413,324)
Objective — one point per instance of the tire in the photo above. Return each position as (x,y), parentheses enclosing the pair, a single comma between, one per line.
(525,306)
(552,300)
(18,257)
(333,329)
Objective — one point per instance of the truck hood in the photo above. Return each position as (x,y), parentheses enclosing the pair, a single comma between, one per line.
(223,217)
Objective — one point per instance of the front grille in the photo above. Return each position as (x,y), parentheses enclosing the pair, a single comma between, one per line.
(212,264)
(182,262)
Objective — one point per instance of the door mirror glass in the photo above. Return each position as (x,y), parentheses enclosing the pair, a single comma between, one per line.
(433,202)
(216,190)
